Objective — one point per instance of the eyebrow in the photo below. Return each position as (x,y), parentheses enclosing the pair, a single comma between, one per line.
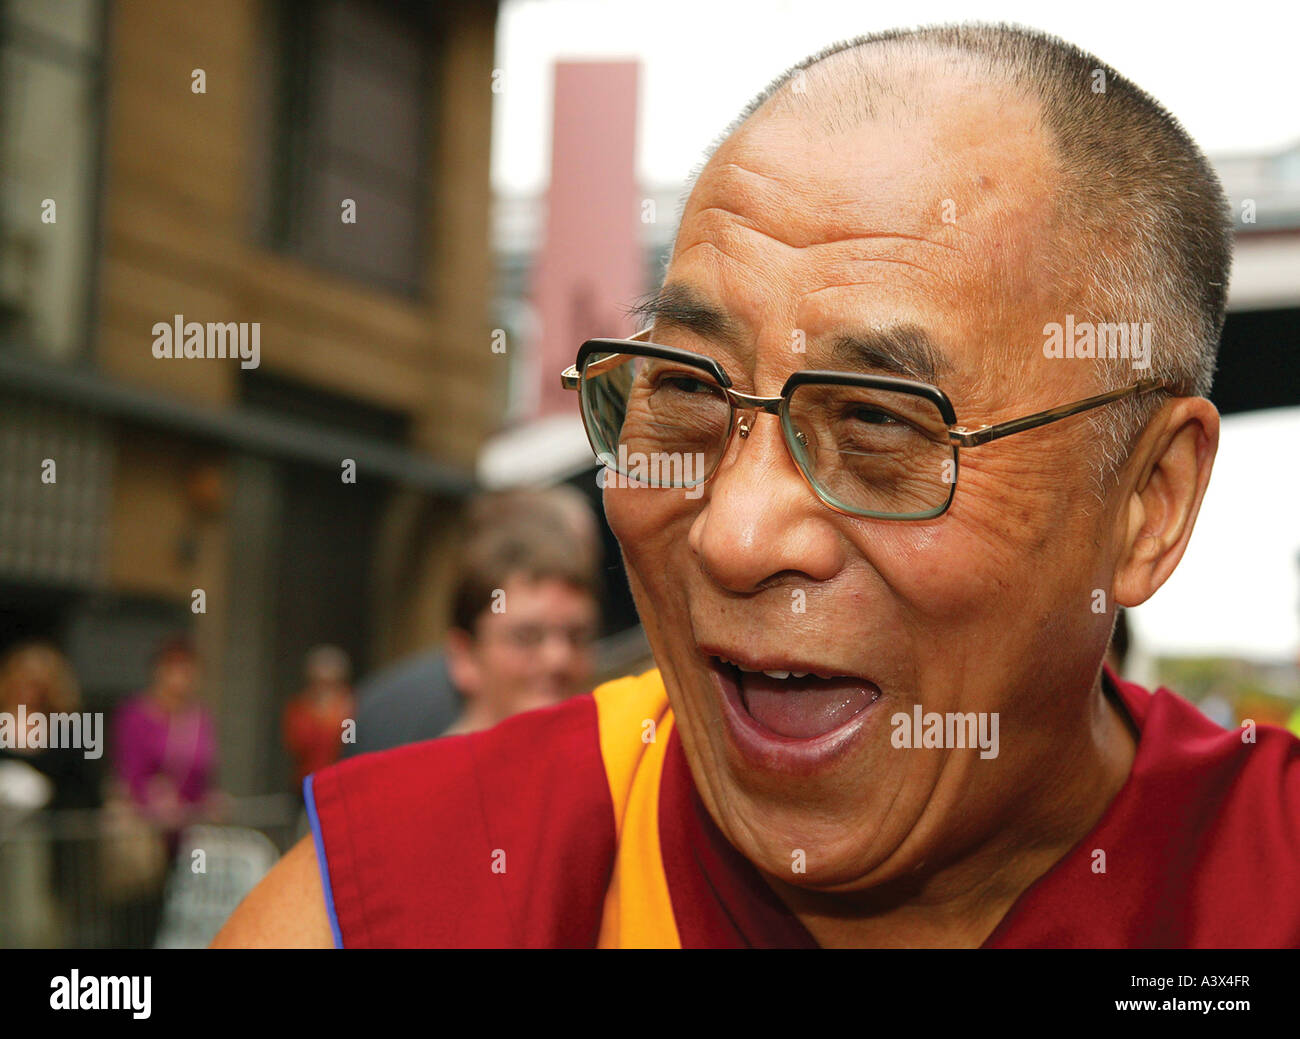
(904,349)
(680,305)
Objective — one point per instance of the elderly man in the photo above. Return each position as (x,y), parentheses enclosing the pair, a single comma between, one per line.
(921,404)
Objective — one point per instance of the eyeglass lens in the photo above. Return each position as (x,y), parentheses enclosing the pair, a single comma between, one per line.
(865,450)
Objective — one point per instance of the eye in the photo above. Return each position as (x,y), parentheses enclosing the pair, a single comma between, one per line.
(683,383)
(873,417)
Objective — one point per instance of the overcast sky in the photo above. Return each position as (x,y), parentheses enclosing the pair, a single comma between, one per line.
(1230,78)
(1229,75)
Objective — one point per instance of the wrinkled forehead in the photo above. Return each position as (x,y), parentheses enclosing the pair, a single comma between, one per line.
(818,179)
(937,222)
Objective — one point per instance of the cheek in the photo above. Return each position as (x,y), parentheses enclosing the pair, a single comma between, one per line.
(954,570)
(503,665)
(653,531)
(1007,574)
(636,511)
(649,524)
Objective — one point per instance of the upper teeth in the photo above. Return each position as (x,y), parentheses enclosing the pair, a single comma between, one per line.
(770,674)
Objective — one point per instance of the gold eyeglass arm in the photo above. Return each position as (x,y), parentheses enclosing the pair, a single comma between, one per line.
(964,437)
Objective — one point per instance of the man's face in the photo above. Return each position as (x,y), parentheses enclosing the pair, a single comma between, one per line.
(534,653)
(940,221)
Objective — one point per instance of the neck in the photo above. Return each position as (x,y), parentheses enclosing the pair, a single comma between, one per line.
(475,717)
(959,903)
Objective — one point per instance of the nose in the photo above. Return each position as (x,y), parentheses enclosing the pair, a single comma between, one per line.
(560,654)
(760,520)
(555,650)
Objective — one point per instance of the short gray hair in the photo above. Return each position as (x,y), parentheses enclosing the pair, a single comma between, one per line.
(1139,196)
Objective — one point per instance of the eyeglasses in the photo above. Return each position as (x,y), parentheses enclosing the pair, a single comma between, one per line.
(867,445)
(532,636)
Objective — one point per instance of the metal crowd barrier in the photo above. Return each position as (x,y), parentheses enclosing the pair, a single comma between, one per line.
(96,879)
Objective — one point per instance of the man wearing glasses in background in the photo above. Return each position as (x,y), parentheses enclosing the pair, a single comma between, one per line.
(524,619)
(878,519)
(535,549)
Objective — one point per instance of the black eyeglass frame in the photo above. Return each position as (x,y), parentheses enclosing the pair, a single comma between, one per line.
(957,436)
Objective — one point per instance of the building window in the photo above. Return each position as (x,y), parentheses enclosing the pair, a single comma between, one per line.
(51,81)
(351,128)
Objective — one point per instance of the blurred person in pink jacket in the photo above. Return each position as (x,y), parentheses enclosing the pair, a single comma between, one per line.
(165,746)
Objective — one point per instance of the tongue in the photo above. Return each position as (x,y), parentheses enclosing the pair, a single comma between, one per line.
(802,708)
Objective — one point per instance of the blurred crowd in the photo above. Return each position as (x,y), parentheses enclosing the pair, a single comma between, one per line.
(88,825)
(97,831)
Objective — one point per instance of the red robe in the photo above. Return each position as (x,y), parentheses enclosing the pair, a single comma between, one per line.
(579,826)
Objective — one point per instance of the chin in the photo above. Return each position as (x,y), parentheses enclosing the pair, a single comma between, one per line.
(777,836)
(806,859)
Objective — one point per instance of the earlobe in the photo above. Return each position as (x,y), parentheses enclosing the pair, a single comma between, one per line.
(1173,462)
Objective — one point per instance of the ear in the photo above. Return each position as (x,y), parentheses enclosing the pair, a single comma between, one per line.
(462,662)
(1166,480)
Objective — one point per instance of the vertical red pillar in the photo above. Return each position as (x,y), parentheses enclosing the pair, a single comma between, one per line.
(590,264)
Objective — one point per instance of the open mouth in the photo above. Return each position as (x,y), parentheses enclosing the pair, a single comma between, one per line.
(797,705)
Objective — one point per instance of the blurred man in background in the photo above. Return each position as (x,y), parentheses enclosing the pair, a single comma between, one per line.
(545,537)
(36,677)
(524,620)
(41,877)
(314,718)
